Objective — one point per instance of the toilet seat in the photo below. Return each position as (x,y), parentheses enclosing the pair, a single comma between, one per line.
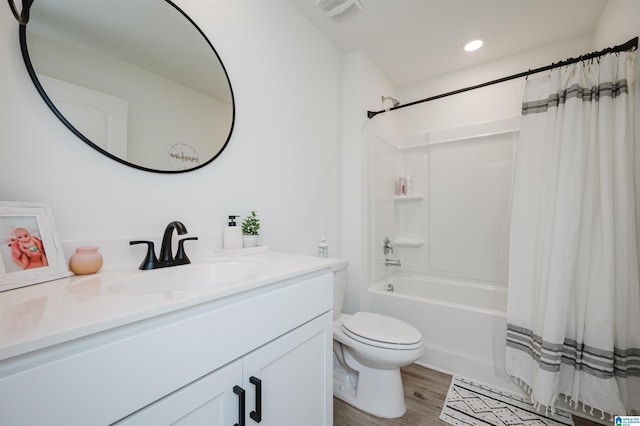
(382,331)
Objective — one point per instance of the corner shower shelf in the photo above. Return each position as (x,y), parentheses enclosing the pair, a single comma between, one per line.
(409,242)
(410,197)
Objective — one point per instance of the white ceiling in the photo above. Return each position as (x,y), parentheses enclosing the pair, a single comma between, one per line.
(412,40)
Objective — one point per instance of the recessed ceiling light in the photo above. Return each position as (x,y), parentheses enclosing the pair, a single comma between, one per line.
(473,44)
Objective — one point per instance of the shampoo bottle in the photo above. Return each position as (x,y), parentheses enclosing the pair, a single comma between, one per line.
(232,235)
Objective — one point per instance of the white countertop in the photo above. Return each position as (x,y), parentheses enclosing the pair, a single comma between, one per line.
(53,312)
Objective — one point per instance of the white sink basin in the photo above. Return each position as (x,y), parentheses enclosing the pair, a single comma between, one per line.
(194,275)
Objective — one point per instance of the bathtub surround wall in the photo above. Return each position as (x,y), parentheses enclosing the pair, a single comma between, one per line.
(385,165)
(283,157)
(456,221)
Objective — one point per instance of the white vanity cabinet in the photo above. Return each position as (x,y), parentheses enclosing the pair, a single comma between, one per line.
(208,401)
(281,383)
(182,367)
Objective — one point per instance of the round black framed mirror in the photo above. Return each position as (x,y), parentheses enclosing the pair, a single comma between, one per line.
(136,80)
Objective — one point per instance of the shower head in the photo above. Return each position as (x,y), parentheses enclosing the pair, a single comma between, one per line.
(394,100)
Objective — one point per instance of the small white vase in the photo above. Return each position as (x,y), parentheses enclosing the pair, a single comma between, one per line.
(249,241)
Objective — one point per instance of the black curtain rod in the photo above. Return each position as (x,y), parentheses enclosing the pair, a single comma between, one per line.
(630,45)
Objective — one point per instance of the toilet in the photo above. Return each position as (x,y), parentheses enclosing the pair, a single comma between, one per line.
(368,351)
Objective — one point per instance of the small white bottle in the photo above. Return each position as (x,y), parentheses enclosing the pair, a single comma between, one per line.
(232,235)
(408,185)
(323,248)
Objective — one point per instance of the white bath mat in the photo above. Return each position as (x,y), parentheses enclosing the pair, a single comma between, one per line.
(472,403)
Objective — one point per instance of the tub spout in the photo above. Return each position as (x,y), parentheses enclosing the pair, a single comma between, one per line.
(390,262)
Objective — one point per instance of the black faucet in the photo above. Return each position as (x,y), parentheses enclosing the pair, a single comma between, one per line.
(166,253)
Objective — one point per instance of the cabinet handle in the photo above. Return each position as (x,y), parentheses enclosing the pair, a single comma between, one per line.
(240,392)
(257,414)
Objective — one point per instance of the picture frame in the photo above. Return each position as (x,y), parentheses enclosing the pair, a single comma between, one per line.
(30,252)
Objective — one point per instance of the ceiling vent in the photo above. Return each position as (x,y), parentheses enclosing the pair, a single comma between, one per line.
(339,9)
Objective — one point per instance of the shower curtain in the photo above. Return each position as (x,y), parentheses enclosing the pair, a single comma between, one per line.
(574,304)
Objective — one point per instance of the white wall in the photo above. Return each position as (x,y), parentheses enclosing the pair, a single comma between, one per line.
(282,159)
(619,22)
(363,85)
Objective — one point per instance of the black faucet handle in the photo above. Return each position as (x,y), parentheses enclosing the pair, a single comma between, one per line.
(180,254)
(150,261)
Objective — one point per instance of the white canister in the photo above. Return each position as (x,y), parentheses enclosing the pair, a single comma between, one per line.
(408,185)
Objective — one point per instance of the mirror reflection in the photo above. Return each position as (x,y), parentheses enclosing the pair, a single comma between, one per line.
(137,80)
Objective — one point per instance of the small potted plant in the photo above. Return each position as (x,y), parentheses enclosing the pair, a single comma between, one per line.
(250,228)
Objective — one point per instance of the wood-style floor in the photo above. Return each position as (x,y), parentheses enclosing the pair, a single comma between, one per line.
(425,391)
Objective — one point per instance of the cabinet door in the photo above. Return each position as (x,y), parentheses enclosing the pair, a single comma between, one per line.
(207,401)
(295,378)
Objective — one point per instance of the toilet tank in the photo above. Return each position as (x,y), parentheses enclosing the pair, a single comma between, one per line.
(339,288)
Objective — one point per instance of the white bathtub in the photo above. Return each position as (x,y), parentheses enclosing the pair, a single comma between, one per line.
(463,324)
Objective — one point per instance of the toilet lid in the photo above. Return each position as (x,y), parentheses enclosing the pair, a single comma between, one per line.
(381,328)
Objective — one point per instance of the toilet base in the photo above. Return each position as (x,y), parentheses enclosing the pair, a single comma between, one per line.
(374,391)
